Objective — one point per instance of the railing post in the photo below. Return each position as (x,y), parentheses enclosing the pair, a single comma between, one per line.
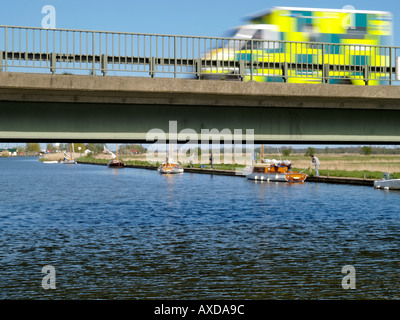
(152,66)
(285,71)
(324,78)
(325,71)
(198,68)
(251,59)
(52,62)
(1,60)
(397,71)
(366,74)
(94,54)
(390,65)
(104,62)
(175,58)
(6,51)
(242,70)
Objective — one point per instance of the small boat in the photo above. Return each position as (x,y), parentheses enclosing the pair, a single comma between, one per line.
(50,161)
(69,161)
(69,158)
(273,170)
(387,182)
(115,162)
(170,166)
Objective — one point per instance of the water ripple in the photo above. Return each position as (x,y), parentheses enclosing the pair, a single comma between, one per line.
(141,235)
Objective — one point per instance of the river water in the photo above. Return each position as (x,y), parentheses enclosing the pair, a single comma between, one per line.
(136,234)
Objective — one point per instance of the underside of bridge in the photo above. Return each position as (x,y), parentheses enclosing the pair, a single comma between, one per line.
(59,108)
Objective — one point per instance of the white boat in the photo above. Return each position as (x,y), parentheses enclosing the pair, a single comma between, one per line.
(69,158)
(50,161)
(69,162)
(388,182)
(170,166)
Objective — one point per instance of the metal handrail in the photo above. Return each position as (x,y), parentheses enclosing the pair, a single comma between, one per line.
(32,48)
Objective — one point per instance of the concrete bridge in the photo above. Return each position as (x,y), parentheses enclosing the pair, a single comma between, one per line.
(44,107)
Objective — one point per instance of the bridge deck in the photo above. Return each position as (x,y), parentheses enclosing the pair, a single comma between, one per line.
(43,107)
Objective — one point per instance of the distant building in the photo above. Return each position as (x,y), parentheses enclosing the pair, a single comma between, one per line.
(8,152)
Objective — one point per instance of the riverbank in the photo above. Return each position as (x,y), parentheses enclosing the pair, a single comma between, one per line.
(332,165)
(320,179)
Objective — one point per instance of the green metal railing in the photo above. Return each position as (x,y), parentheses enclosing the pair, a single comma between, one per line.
(30,49)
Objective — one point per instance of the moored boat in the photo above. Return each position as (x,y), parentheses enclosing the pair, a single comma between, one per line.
(69,162)
(170,166)
(69,158)
(115,162)
(387,182)
(274,170)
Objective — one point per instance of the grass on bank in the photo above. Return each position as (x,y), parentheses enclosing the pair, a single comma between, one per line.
(364,174)
(156,164)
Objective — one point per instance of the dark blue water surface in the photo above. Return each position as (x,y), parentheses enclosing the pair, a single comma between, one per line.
(136,234)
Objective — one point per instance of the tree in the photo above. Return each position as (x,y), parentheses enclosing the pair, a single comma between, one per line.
(32,147)
(95,147)
(50,147)
(287,151)
(310,151)
(77,145)
(366,150)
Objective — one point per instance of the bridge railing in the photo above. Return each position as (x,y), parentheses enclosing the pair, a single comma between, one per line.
(66,51)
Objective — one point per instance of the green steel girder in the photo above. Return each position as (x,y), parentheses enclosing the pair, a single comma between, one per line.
(57,121)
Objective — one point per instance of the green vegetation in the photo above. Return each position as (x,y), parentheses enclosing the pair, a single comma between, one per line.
(95,147)
(148,164)
(366,150)
(334,150)
(349,174)
(287,151)
(127,162)
(92,159)
(32,147)
(310,151)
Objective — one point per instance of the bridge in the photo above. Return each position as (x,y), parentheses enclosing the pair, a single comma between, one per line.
(124,85)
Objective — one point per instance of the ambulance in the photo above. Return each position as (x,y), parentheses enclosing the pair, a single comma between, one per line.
(306,45)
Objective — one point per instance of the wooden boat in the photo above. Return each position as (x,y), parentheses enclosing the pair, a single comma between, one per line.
(273,170)
(115,162)
(387,182)
(170,166)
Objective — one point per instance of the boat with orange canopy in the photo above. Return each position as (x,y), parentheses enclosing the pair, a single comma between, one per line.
(275,170)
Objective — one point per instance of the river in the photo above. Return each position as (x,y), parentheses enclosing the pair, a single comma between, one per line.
(137,234)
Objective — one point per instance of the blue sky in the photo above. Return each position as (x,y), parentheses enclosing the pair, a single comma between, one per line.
(182,17)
